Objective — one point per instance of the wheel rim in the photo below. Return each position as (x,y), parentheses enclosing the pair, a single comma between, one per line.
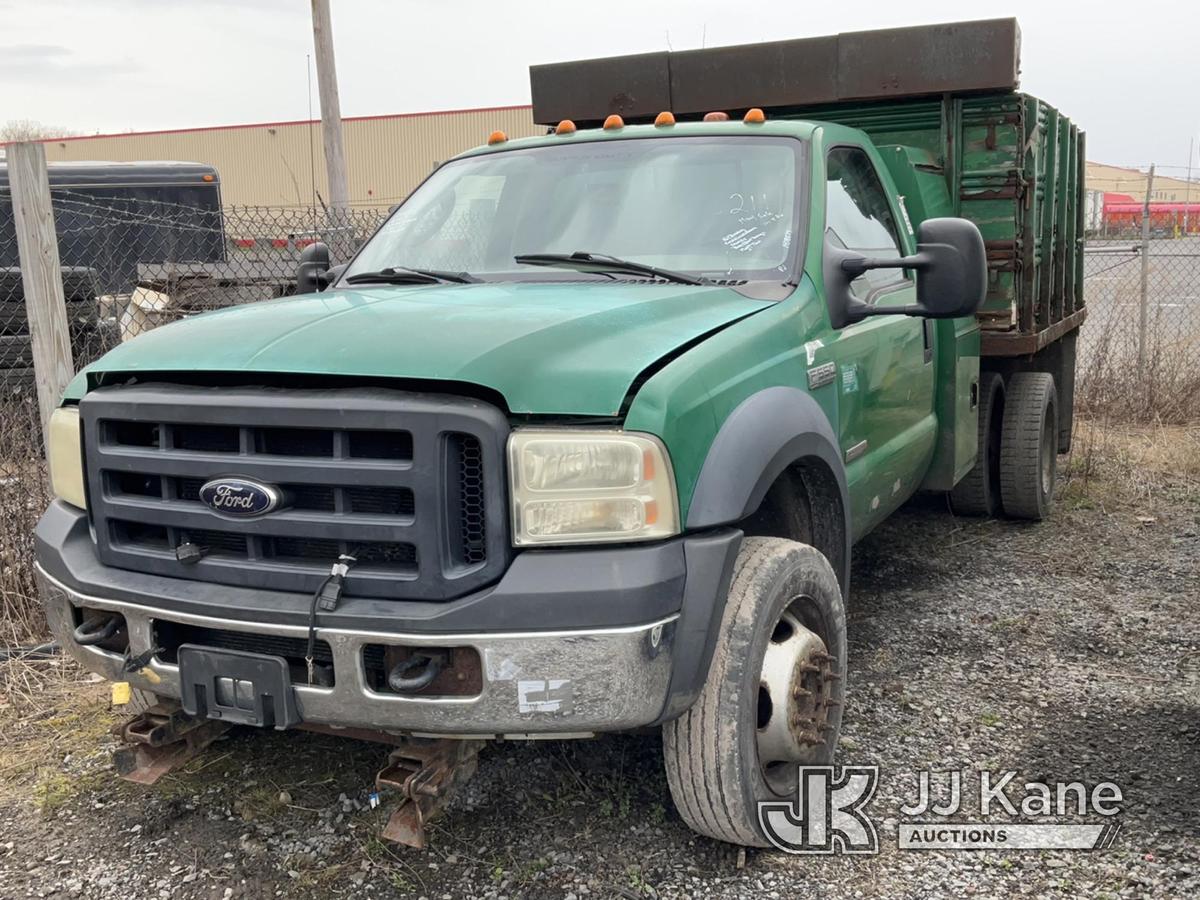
(1048,439)
(794,699)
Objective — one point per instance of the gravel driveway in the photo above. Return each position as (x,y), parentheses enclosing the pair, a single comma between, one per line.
(1068,650)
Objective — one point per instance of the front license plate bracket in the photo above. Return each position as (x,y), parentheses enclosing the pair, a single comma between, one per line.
(237,687)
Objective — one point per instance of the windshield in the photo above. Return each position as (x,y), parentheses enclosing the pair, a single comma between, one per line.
(719,207)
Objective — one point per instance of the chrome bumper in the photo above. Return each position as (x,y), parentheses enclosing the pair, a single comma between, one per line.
(556,683)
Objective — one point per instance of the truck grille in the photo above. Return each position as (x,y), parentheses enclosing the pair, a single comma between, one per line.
(409,484)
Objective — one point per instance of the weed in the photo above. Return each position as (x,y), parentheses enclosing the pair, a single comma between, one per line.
(401,883)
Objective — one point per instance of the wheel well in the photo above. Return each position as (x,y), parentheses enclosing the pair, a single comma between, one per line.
(804,504)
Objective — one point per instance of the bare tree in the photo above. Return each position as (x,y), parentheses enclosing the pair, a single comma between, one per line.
(29,130)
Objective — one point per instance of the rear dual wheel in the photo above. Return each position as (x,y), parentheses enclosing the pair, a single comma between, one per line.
(978,494)
(1029,445)
(1018,449)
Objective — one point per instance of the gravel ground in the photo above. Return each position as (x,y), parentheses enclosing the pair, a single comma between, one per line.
(1066,651)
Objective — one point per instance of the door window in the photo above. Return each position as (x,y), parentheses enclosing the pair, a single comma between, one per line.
(858,217)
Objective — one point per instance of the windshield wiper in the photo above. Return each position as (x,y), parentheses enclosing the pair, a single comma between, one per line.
(603,264)
(405,275)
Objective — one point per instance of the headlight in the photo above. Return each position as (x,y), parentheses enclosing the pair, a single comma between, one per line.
(578,487)
(64,455)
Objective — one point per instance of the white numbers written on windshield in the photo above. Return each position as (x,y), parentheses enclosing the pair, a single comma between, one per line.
(752,212)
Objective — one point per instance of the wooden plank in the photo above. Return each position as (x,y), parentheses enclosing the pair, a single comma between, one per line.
(1064,215)
(1049,187)
(41,274)
(1071,239)
(1011,343)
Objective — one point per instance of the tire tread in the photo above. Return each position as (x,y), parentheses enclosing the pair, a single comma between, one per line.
(1025,405)
(704,770)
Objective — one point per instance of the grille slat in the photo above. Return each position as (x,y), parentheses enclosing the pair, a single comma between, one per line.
(286,523)
(408,483)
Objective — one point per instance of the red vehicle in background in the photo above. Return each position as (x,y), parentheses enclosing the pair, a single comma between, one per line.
(1123,216)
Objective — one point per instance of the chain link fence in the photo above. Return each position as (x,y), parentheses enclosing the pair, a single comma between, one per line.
(129,265)
(1139,351)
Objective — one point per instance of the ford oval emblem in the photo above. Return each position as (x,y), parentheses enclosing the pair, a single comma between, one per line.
(240,497)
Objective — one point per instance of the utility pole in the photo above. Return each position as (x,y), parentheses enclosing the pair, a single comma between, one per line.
(41,275)
(1143,309)
(331,109)
(1187,191)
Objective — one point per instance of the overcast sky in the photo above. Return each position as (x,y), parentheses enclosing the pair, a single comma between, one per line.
(1128,74)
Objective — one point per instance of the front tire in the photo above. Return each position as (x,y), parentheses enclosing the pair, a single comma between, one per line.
(773,697)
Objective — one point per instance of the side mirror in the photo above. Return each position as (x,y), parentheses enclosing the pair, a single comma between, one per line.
(951,267)
(312,273)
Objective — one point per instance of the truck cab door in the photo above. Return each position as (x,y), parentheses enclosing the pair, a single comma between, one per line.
(885,379)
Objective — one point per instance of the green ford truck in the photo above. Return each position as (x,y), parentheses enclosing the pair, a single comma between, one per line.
(581,440)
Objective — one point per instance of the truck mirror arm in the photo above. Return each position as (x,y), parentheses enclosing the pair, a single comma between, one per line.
(855,266)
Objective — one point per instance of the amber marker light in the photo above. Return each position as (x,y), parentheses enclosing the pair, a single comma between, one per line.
(613,122)
(666,117)
(754,116)
(497,137)
(207,178)
(716,116)
(566,126)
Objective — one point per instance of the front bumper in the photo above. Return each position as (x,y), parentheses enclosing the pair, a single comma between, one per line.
(570,643)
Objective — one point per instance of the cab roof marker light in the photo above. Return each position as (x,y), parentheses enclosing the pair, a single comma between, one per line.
(497,137)
(613,122)
(664,118)
(716,116)
(566,126)
(754,116)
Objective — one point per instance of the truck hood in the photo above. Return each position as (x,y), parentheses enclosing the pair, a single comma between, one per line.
(571,348)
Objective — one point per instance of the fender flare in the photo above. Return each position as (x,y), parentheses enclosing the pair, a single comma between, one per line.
(764,435)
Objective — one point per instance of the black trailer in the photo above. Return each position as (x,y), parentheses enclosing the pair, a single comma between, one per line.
(111,218)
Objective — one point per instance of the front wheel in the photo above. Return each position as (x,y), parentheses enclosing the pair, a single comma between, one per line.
(773,697)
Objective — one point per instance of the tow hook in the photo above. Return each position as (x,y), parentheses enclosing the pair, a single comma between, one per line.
(417,672)
(425,771)
(94,631)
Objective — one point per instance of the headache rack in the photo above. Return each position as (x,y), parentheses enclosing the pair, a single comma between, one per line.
(410,484)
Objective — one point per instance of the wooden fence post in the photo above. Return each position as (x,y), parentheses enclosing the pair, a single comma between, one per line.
(41,274)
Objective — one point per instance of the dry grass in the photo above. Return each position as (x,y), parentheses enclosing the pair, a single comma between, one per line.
(1119,462)
(1165,389)
(49,709)
(24,493)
